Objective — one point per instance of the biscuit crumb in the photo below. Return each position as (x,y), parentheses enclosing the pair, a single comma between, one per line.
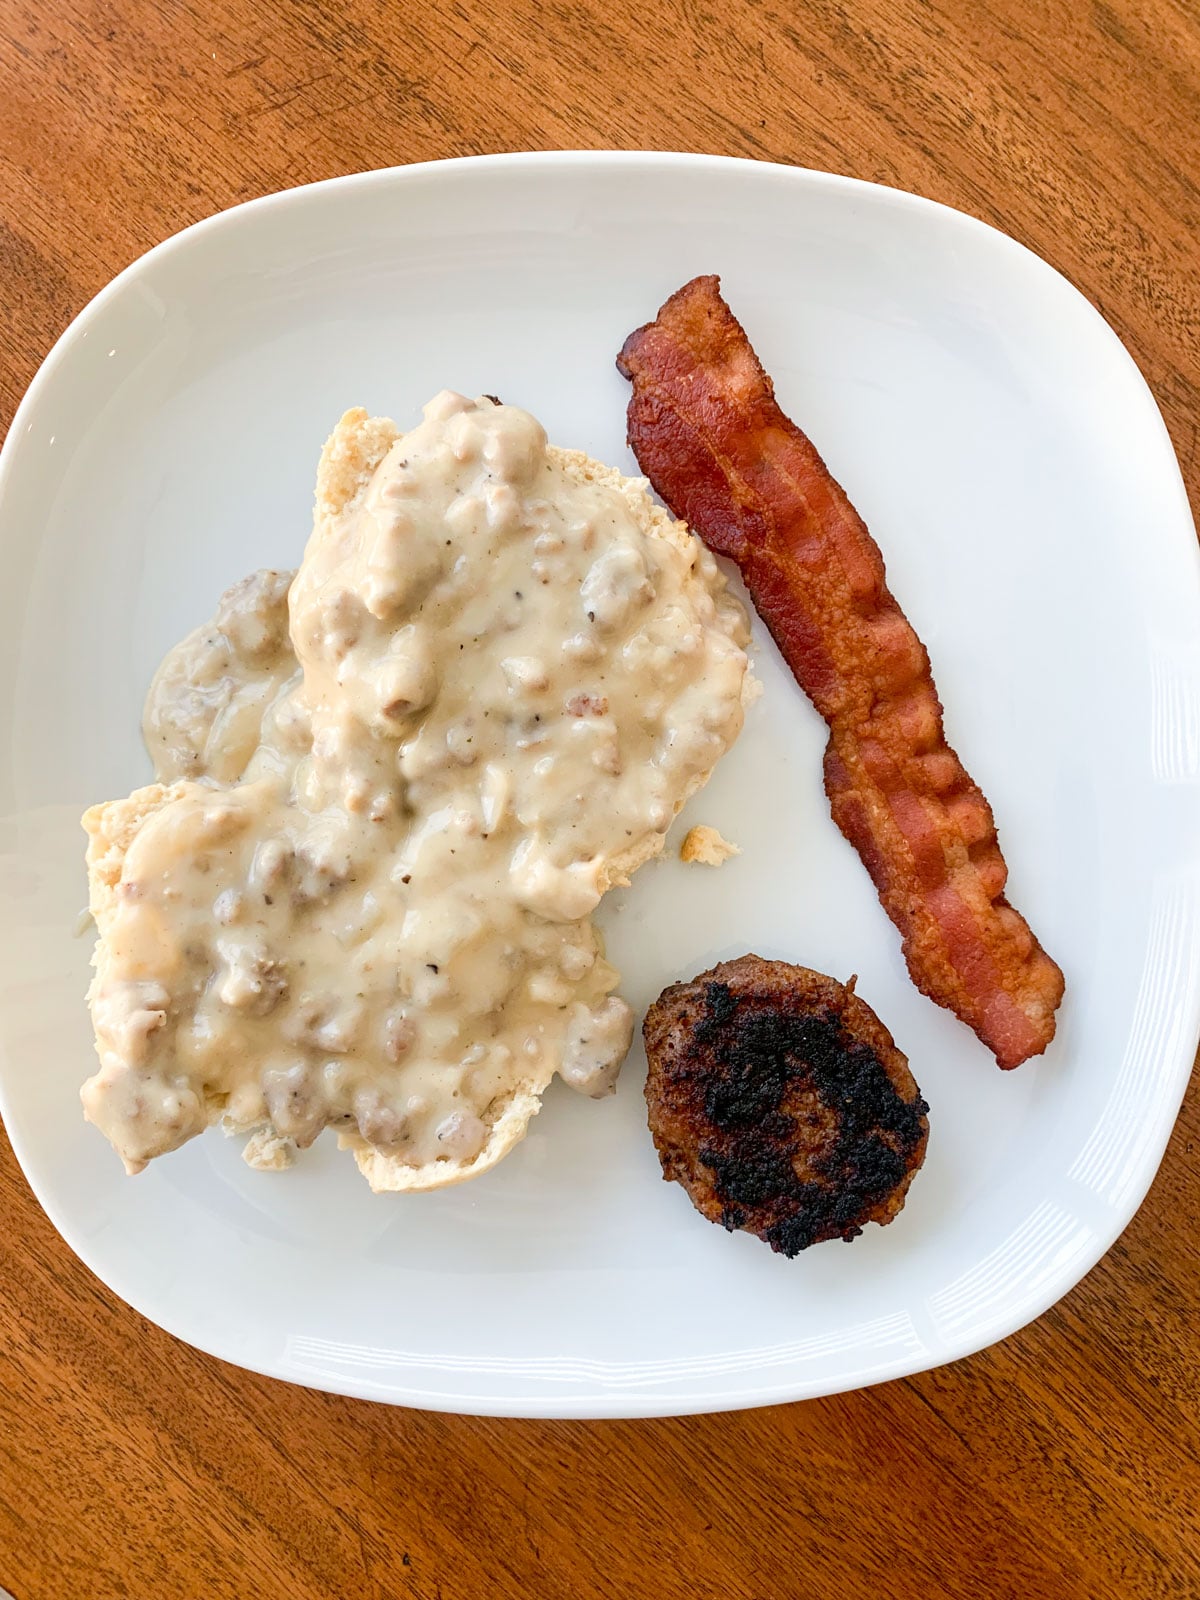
(266,1151)
(705,845)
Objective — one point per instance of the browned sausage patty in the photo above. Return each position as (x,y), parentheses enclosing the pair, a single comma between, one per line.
(779,1101)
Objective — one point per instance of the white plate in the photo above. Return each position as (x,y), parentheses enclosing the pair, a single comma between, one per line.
(1011,462)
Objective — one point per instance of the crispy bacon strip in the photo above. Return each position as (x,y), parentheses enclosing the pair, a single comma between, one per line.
(705,427)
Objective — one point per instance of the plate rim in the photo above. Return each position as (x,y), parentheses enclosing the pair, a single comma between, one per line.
(649,1402)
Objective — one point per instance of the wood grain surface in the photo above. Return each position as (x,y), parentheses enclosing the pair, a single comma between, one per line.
(1065,1461)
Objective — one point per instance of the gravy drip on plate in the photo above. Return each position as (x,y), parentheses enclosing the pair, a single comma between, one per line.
(399,791)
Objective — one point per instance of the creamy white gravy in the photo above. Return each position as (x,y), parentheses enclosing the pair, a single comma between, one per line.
(405,784)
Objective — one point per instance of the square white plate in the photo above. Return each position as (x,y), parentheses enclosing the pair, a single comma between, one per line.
(1010,460)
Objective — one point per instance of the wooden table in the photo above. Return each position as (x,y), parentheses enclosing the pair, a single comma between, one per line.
(1064,1462)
